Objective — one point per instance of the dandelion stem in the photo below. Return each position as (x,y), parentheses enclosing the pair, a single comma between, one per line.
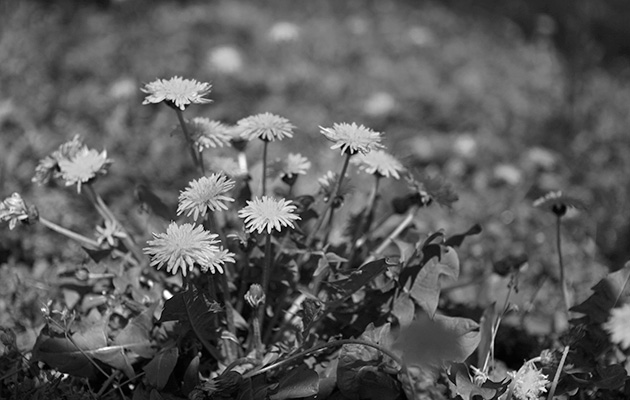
(267,265)
(264,168)
(401,227)
(563,282)
(107,214)
(366,220)
(256,323)
(329,203)
(556,378)
(67,232)
(196,157)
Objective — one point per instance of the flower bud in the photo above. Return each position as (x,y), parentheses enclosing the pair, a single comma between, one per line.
(255,296)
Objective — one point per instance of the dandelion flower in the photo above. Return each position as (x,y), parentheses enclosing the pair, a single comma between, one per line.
(208,133)
(353,138)
(265,126)
(228,166)
(13,209)
(295,164)
(205,193)
(85,165)
(379,162)
(216,262)
(176,91)
(558,203)
(528,383)
(48,167)
(183,246)
(109,233)
(618,326)
(267,213)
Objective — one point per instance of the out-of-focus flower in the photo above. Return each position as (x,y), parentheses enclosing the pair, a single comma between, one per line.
(176,91)
(83,166)
(618,326)
(379,162)
(13,209)
(379,104)
(255,296)
(327,185)
(225,59)
(208,133)
(528,383)
(558,203)
(294,165)
(109,233)
(228,166)
(205,193)
(352,138)
(284,31)
(183,246)
(48,167)
(267,213)
(265,126)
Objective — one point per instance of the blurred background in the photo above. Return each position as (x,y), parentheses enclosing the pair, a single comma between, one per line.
(506,99)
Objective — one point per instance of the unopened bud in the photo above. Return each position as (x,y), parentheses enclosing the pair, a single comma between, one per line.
(255,296)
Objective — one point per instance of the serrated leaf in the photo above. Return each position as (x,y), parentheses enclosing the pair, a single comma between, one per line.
(442,339)
(427,286)
(297,383)
(160,368)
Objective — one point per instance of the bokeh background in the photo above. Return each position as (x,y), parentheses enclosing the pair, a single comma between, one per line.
(505,99)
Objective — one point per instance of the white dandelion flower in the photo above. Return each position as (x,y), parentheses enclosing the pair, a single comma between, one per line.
(181,247)
(528,383)
(13,209)
(295,164)
(267,213)
(379,162)
(177,91)
(208,133)
(205,193)
(618,326)
(352,138)
(265,126)
(83,166)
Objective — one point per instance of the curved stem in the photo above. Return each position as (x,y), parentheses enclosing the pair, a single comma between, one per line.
(264,169)
(194,154)
(331,200)
(401,227)
(563,282)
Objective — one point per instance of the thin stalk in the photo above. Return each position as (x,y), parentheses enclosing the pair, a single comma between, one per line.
(106,213)
(264,168)
(265,281)
(256,326)
(311,236)
(563,282)
(556,378)
(366,220)
(401,227)
(335,343)
(230,346)
(191,145)
(68,233)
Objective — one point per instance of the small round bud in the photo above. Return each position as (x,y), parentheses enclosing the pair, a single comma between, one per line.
(255,296)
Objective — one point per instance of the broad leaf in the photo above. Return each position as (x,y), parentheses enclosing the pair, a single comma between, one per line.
(442,339)
(404,309)
(344,288)
(457,239)
(428,284)
(160,368)
(297,383)
(608,293)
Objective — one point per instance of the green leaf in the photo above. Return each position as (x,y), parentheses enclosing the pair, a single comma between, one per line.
(443,339)
(160,368)
(191,376)
(297,383)
(404,309)
(427,286)
(344,288)
(608,292)
(457,239)
(136,336)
